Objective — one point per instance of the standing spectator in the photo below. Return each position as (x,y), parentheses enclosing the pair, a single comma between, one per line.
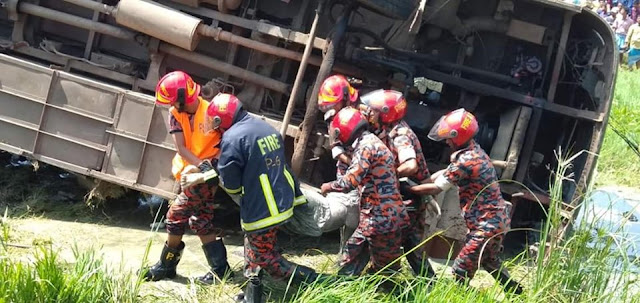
(612,16)
(634,11)
(621,26)
(609,5)
(601,9)
(633,44)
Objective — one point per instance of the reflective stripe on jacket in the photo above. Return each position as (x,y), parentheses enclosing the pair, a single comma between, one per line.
(202,144)
(253,164)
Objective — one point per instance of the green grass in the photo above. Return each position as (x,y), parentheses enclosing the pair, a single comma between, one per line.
(618,164)
(47,278)
(564,271)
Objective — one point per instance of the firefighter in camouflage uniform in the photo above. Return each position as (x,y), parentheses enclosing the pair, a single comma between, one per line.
(385,112)
(252,169)
(484,210)
(193,206)
(336,93)
(383,216)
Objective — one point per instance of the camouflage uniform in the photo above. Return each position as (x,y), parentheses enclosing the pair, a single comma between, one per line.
(383,216)
(193,206)
(405,145)
(484,209)
(261,253)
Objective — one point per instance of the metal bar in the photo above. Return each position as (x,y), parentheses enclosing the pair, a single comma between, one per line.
(141,164)
(80,113)
(111,137)
(220,34)
(138,139)
(481,88)
(574,112)
(301,69)
(72,20)
(530,141)
(225,68)
(311,113)
(18,122)
(92,35)
(232,50)
(94,5)
(261,27)
(428,59)
(517,140)
(87,144)
(54,78)
(555,75)
(489,90)
(102,72)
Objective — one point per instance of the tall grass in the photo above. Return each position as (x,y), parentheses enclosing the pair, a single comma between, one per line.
(589,265)
(48,279)
(618,164)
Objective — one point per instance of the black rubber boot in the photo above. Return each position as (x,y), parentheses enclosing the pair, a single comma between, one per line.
(216,255)
(505,279)
(306,275)
(166,267)
(421,267)
(252,293)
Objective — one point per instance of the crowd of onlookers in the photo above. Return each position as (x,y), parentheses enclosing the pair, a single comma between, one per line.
(624,18)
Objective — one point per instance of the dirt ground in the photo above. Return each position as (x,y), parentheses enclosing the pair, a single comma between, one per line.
(46,208)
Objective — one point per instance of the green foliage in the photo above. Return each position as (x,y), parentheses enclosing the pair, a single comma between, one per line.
(618,163)
(586,266)
(48,279)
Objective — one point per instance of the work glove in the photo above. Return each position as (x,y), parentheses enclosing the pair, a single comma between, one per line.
(205,166)
(191,179)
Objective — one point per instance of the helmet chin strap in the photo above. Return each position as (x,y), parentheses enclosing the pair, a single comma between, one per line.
(346,98)
(181,98)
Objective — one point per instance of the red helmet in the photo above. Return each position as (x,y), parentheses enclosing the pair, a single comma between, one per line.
(346,125)
(459,125)
(333,92)
(222,111)
(175,87)
(390,105)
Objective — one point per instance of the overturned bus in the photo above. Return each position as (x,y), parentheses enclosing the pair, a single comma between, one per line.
(77,81)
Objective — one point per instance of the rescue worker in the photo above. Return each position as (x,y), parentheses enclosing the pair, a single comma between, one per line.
(193,206)
(336,93)
(253,170)
(386,110)
(383,216)
(485,211)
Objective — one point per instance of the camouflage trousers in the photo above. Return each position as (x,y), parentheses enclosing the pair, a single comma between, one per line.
(261,253)
(414,235)
(482,246)
(380,249)
(193,207)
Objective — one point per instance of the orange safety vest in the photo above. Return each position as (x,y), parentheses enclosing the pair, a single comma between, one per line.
(203,145)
